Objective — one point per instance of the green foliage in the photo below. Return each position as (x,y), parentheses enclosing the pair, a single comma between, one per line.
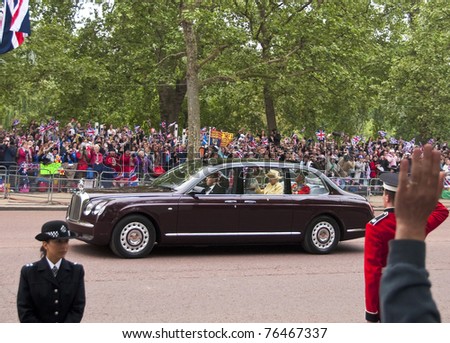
(353,66)
(415,96)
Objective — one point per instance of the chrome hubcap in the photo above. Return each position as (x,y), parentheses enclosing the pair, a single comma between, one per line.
(323,235)
(134,237)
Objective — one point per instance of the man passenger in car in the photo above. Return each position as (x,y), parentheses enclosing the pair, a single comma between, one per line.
(274,186)
(213,186)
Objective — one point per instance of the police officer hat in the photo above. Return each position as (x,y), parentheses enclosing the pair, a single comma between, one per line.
(55,229)
(390,181)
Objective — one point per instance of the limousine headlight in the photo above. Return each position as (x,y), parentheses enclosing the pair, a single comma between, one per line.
(95,208)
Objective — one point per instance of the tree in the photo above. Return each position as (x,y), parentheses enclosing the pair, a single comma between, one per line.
(415,97)
(191,78)
(341,66)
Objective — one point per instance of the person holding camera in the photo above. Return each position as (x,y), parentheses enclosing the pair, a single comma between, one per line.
(83,157)
(96,159)
(8,152)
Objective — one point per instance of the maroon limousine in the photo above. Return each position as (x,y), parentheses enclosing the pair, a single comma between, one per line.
(221,203)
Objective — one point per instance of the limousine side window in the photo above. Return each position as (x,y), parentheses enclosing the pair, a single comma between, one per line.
(220,182)
(304,182)
(262,181)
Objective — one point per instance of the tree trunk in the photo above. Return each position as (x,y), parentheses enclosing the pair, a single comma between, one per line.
(171,101)
(193,102)
(265,41)
(269,106)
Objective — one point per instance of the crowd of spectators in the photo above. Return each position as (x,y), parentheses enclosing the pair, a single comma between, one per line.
(337,155)
(125,150)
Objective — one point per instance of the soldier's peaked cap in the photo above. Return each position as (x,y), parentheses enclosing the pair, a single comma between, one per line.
(390,181)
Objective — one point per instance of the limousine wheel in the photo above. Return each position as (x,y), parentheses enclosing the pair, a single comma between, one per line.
(133,237)
(322,236)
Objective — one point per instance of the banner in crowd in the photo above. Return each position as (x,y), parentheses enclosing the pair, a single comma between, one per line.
(216,134)
(49,169)
(227,138)
(222,138)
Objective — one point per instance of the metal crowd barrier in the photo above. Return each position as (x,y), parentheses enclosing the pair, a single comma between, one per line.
(4,183)
(42,184)
(361,186)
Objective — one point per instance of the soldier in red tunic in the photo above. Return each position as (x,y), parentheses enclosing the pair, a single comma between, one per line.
(379,231)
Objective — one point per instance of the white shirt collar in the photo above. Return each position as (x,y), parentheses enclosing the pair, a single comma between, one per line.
(57,264)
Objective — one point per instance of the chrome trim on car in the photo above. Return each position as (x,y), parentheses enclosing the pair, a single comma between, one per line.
(356,230)
(76,205)
(206,234)
(84,224)
(84,237)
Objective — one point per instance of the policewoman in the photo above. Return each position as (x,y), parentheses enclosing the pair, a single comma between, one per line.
(51,290)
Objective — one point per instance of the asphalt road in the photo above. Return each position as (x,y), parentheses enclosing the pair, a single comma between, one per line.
(211,285)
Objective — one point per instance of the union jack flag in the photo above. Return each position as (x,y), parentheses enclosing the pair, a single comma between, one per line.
(409,146)
(320,134)
(238,154)
(382,133)
(370,148)
(133,178)
(393,140)
(127,179)
(51,124)
(447,182)
(90,131)
(14,24)
(356,140)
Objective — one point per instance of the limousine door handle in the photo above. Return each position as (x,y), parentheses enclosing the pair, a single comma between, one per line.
(230,201)
(250,202)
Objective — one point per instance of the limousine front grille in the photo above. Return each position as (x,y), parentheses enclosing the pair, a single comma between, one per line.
(76,206)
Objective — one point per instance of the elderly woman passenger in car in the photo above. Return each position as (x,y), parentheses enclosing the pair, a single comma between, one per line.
(274,186)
